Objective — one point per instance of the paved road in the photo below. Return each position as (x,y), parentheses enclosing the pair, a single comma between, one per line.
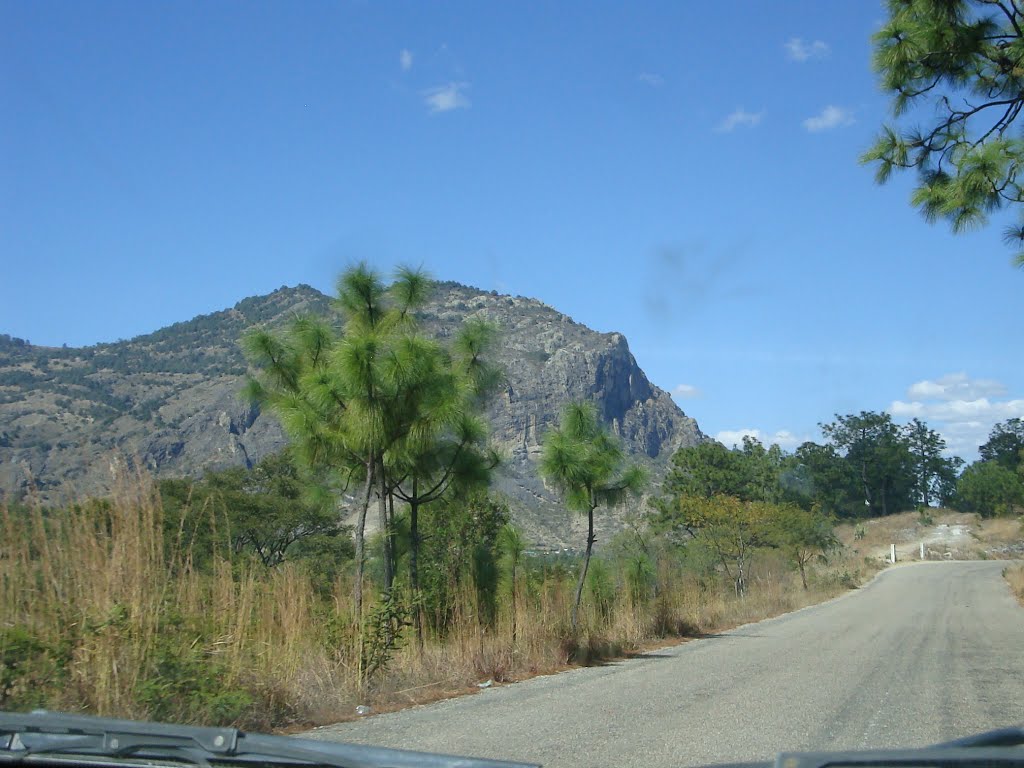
(924,653)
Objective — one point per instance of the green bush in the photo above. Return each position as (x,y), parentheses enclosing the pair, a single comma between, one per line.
(602,587)
(29,669)
(186,685)
(383,634)
(845,578)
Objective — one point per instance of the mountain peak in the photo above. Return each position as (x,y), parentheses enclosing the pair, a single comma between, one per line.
(170,398)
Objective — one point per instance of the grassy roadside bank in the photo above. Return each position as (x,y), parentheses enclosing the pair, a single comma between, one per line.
(1014,576)
(103,614)
(688,612)
(956,535)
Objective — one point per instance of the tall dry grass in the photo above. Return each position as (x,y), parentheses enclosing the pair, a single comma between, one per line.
(77,581)
(98,617)
(1014,576)
(101,611)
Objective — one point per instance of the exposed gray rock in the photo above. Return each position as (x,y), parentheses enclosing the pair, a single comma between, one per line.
(170,401)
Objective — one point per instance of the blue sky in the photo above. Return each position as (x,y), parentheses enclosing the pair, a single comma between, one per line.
(683,173)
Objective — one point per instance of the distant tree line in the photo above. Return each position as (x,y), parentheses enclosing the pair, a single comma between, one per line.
(868,466)
(8,342)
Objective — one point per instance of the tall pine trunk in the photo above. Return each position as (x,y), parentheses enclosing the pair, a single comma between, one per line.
(414,572)
(360,540)
(583,572)
(386,533)
(514,594)
(867,489)
(740,582)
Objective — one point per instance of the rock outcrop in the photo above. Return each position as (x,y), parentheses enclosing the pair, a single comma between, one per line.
(170,400)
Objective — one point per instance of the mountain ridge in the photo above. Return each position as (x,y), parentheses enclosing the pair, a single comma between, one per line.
(170,399)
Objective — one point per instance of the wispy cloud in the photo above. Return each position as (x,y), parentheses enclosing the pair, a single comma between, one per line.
(955,386)
(445,98)
(405,59)
(799,50)
(830,117)
(785,439)
(740,117)
(686,391)
(960,410)
(651,79)
(963,410)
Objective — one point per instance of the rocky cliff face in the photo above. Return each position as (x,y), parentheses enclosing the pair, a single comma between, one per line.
(170,399)
(550,360)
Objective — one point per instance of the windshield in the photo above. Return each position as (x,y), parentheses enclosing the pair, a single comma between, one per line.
(564,368)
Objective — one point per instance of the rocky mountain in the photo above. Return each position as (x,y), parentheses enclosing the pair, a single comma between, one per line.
(170,399)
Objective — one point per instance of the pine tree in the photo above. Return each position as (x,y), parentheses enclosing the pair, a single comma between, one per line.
(587,465)
(964,61)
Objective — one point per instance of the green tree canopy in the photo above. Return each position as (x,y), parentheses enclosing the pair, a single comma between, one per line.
(444,446)
(880,458)
(733,529)
(709,469)
(990,489)
(1005,444)
(827,479)
(804,535)
(337,394)
(934,474)
(378,402)
(962,62)
(264,512)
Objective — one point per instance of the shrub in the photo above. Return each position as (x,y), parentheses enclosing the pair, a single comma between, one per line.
(185,684)
(28,666)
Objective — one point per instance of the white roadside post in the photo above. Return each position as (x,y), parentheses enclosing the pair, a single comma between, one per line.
(892,553)
(922,550)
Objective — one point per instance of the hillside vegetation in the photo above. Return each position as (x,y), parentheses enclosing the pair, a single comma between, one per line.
(115,608)
(260,595)
(65,413)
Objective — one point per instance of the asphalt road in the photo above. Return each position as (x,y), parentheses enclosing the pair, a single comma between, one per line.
(924,653)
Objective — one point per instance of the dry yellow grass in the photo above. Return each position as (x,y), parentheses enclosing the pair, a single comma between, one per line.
(1015,578)
(685,611)
(984,538)
(999,532)
(110,619)
(101,619)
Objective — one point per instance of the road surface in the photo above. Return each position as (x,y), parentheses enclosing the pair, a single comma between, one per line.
(924,653)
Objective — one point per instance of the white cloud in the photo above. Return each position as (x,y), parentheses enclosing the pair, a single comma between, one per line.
(830,117)
(683,391)
(963,438)
(963,410)
(405,59)
(740,116)
(651,79)
(955,386)
(445,98)
(959,410)
(785,439)
(799,50)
